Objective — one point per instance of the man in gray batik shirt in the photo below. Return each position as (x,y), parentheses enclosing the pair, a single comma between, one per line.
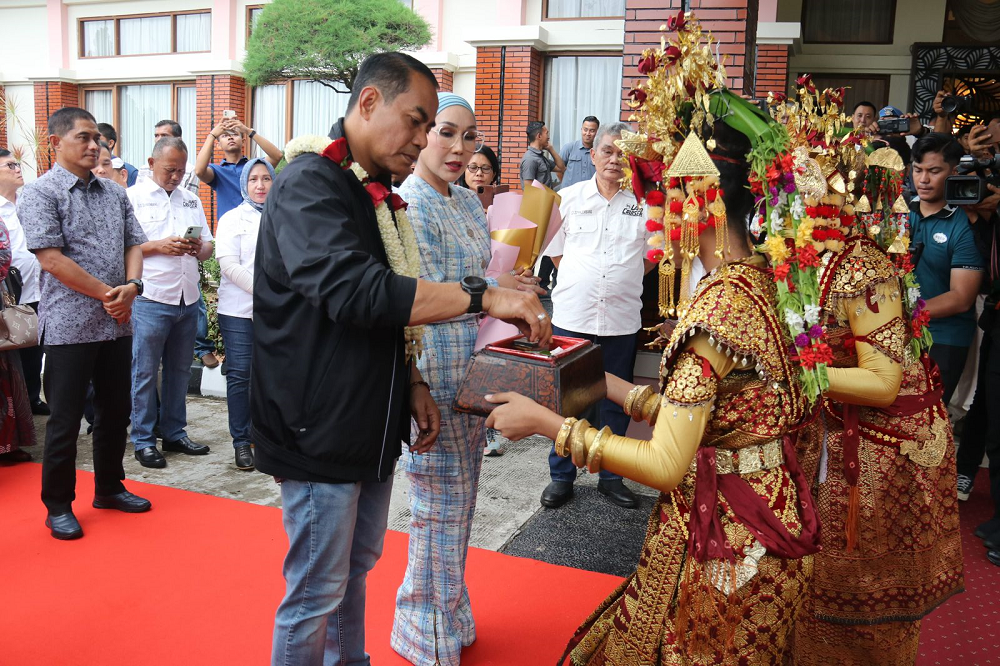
(87,240)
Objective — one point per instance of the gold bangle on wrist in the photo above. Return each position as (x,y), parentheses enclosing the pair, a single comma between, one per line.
(651,409)
(577,442)
(636,400)
(563,435)
(595,453)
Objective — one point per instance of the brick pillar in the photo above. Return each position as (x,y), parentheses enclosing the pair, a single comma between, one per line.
(216,93)
(733,23)
(445,78)
(508,97)
(3,118)
(772,69)
(50,96)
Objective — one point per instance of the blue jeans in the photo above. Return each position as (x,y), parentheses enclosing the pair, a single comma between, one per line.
(162,332)
(237,333)
(335,536)
(618,352)
(202,345)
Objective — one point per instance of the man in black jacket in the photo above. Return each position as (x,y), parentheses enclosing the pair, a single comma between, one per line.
(331,392)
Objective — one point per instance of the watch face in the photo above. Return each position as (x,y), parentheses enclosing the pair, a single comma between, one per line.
(474,283)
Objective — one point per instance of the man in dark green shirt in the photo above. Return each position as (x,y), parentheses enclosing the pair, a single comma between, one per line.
(950,267)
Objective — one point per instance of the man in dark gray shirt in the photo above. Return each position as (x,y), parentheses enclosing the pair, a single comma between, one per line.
(576,154)
(87,240)
(535,165)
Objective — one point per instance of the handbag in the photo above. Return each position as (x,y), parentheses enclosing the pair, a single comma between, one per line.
(18,323)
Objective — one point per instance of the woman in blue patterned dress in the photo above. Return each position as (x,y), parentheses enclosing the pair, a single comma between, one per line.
(433,619)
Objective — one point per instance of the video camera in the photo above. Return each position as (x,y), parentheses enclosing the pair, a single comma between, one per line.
(969,186)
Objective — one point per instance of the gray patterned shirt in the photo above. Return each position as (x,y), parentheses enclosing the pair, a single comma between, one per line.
(93,223)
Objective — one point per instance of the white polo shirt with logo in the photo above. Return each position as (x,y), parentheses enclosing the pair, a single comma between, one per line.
(602,244)
(167,278)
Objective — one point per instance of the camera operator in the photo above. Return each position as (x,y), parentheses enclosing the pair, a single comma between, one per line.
(950,266)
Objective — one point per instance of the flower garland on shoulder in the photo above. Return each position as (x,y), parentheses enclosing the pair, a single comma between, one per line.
(390,211)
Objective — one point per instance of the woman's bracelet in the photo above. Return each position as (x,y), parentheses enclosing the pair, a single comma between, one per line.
(596,450)
(420,382)
(563,435)
(636,400)
(577,442)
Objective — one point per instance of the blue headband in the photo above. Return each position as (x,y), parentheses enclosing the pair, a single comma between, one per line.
(446,99)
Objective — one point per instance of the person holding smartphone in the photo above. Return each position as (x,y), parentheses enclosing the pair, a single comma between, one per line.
(165,314)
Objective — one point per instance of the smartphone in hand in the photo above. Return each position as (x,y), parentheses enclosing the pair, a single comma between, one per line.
(192,233)
(486,193)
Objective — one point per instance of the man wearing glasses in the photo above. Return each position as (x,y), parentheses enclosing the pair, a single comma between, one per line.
(25,262)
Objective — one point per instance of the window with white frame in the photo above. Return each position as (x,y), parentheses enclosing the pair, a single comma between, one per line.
(584,9)
(577,87)
(295,108)
(148,34)
(134,110)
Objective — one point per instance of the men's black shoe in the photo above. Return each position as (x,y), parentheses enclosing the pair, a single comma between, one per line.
(123,501)
(244,457)
(988,529)
(185,445)
(992,542)
(150,457)
(557,493)
(40,408)
(617,493)
(64,526)
(993,556)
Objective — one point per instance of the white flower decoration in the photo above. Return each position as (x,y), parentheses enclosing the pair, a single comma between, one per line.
(812,313)
(794,319)
(310,143)
(912,294)
(777,222)
(798,208)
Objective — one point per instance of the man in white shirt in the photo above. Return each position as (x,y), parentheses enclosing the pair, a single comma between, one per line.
(600,253)
(172,128)
(27,264)
(165,316)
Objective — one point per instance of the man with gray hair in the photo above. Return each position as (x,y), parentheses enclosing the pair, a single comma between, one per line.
(165,315)
(600,254)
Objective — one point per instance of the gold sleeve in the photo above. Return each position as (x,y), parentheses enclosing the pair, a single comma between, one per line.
(685,409)
(875,382)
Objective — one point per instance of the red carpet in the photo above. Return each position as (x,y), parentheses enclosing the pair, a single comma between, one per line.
(197,579)
(966,629)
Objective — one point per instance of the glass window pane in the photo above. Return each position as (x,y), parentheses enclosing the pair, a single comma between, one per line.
(848,22)
(187,117)
(145,35)
(269,115)
(194,32)
(316,107)
(577,87)
(98,102)
(254,17)
(140,108)
(98,38)
(585,8)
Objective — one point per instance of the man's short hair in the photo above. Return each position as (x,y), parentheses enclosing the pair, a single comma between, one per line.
(4,152)
(614,129)
(533,129)
(592,119)
(62,121)
(168,142)
(390,73)
(108,132)
(104,145)
(175,127)
(936,142)
(865,103)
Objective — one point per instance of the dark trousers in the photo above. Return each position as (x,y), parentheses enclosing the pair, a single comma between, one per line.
(618,352)
(546,270)
(31,362)
(68,370)
(981,434)
(951,361)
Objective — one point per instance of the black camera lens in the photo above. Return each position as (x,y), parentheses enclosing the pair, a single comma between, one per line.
(956,103)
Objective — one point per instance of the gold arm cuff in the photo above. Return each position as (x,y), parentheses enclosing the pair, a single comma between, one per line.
(595,452)
(563,435)
(636,399)
(578,445)
(651,408)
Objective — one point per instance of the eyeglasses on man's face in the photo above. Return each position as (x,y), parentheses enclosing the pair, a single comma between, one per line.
(13,166)
(485,169)
(449,136)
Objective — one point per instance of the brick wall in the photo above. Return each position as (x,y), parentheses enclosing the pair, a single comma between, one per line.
(506,104)
(445,78)
(50,96)
(772,69)
(733,23)
(216,93)
(4,119)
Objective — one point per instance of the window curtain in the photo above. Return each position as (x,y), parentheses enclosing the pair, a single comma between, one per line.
(98,102)
(254,17)
(98,38)
(187,117)
(194,32)
(316,107)
(269,115)
(848,21)
(585,8)
(577,87)
(979,19)
(145,35)
(139,109)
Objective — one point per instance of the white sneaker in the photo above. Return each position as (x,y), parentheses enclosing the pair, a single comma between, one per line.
(494,446)
(964,487)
